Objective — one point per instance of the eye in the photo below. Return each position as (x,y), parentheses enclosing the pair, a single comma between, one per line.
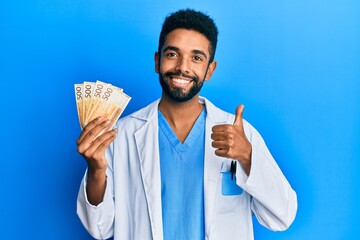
(171,55)
(197,58)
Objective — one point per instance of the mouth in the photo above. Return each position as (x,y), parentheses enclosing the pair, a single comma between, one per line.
(180,82)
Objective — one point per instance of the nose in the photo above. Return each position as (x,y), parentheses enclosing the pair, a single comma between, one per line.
(183,65)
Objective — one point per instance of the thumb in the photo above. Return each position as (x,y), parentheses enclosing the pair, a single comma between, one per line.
(238,115)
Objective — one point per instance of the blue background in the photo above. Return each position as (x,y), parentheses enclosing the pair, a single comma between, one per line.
(294,64)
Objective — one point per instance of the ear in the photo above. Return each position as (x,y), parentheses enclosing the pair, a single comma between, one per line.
(210,70)
(157,62)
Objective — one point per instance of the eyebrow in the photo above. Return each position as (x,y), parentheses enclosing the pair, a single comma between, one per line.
(171,48)
(195,51)
(200,52)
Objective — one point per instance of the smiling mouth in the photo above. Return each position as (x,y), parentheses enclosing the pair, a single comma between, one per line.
(180,81)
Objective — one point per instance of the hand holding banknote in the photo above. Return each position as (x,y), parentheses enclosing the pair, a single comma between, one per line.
(99,106)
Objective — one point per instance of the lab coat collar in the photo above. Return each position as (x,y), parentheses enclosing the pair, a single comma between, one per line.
(148,112)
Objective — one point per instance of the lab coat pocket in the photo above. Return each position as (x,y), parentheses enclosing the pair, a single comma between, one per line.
(230,197)
(229,186)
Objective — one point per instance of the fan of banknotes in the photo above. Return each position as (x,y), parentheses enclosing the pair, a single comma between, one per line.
(94,99)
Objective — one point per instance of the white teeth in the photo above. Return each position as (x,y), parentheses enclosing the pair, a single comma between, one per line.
(181,81)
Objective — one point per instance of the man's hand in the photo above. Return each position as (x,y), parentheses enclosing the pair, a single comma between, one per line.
(92,147)
(231,142)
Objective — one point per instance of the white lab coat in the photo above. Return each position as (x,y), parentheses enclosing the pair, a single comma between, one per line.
(131,208)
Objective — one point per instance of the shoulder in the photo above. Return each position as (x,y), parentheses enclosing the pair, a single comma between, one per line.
(138,118)
(215,114)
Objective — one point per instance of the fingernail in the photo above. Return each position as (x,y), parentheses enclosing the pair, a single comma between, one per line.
(115,132)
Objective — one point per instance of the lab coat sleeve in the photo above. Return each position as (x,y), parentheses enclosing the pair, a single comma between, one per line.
(97,220)
(273,201)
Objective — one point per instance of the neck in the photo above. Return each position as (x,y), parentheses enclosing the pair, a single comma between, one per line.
(180,111)
(181,116)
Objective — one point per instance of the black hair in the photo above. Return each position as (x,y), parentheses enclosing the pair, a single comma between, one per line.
(191,20)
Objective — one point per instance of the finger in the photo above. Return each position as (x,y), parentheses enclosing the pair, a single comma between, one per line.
(222,152)
(219,144)
(89,127)
(221,127)
(101,143)
(218,128)
(103,137)
(91,136)
(238,115)
(217,136)
(107,141)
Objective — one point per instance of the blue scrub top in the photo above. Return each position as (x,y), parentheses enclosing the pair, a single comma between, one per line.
(182,181)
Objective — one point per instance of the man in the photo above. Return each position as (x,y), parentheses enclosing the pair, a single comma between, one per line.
(181,168)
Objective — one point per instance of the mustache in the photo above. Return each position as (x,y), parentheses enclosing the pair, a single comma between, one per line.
(178,73)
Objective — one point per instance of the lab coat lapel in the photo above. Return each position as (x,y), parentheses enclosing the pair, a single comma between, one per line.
(212,163)
(146,139)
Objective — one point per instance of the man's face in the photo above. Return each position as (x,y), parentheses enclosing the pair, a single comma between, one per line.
(183,64)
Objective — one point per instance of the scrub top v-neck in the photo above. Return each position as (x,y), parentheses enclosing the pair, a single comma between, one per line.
(182,180)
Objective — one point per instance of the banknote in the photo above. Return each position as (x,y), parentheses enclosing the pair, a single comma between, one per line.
(79,88)
(88,88)
(94,99)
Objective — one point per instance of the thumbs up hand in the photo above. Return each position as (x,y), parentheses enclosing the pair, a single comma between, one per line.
(231,142)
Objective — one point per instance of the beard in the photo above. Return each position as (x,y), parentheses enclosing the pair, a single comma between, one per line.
(178,94)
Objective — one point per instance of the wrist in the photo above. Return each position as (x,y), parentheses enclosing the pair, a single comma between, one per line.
(246,161)
(96,174)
